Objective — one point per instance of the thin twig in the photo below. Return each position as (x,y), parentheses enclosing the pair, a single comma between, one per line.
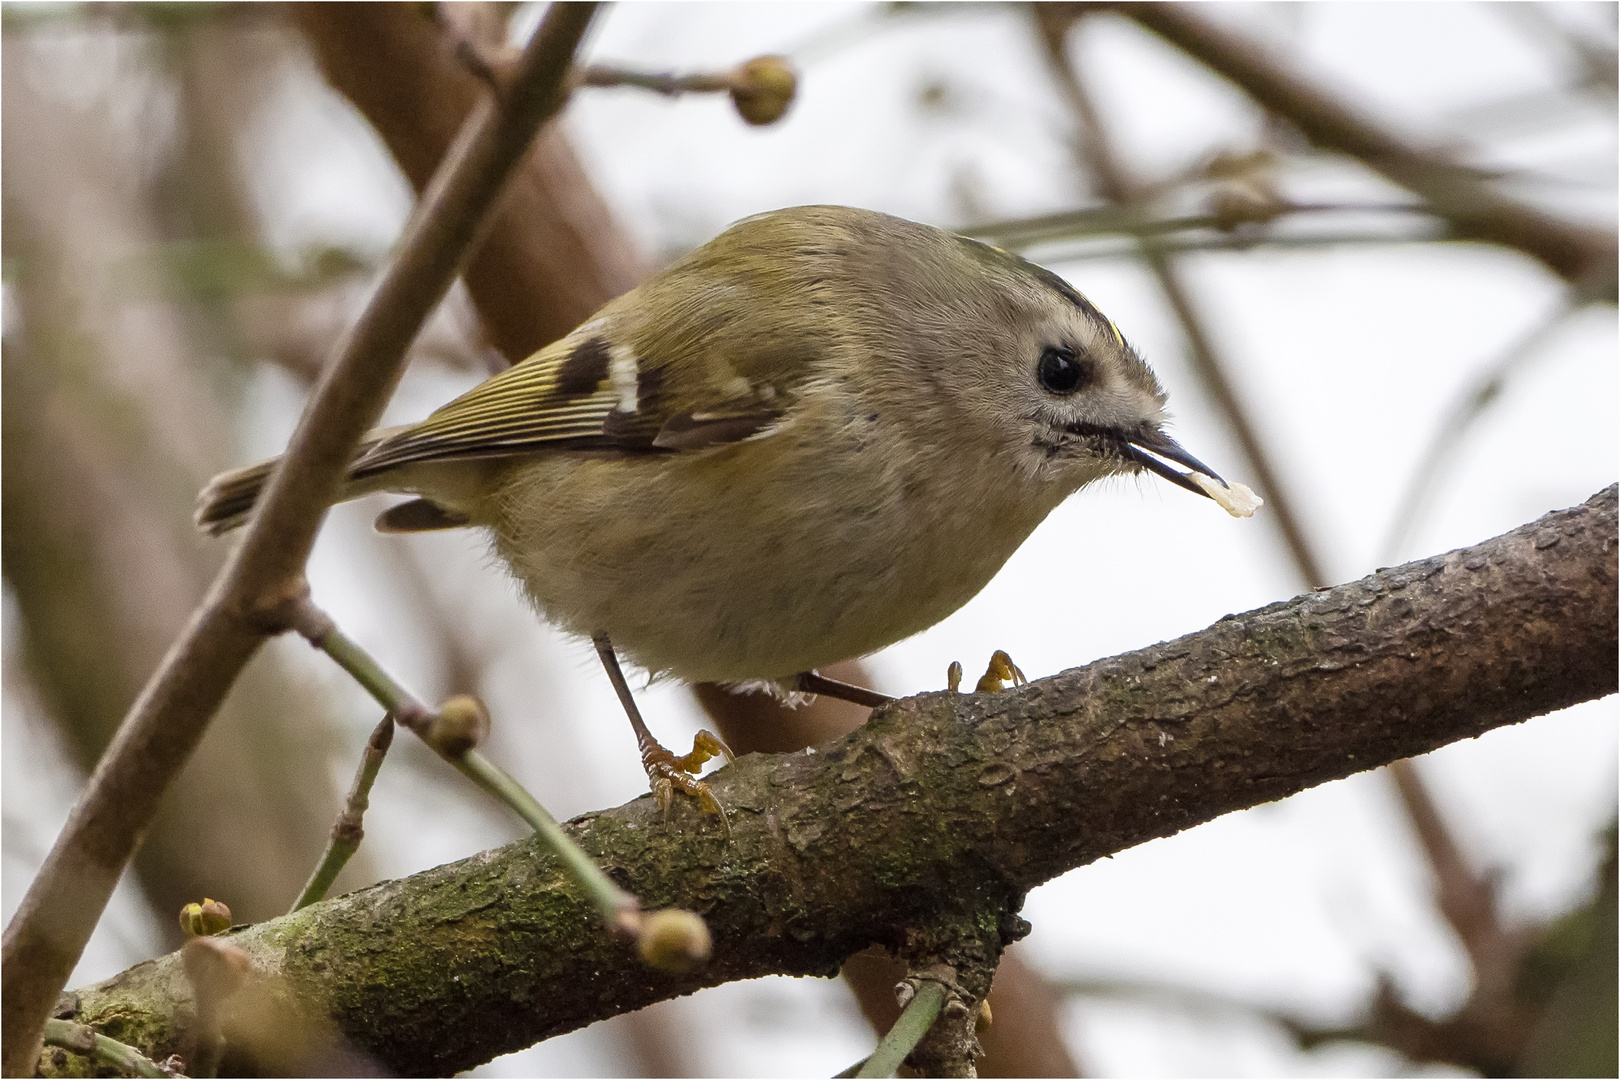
(670,85)
(1476,209)
(1113,181)
(1596,62)
(64,902)
(1115,219)
(1083,251)
(915,1020)
(349,829)
(619,909)
(104,1051)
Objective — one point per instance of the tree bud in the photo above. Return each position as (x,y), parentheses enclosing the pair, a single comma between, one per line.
(208,917)
(763,88)
(674,940)
(460,724)
(216,917)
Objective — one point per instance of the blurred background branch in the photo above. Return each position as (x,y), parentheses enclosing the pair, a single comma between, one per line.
(161,261)
(1584,256)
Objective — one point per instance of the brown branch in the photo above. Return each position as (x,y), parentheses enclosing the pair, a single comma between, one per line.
(1465,898)
(1476,211)
(46,936)
(945,800)
(553,254)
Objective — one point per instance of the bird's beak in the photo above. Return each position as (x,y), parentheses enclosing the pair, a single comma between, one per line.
(1152,449)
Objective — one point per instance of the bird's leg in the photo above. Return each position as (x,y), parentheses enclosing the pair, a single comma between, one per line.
(812,682)
(666,773)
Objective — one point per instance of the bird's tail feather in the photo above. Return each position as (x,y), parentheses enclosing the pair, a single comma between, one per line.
(229,498)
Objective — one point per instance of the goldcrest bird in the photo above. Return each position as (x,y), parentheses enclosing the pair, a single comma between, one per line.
(821,432)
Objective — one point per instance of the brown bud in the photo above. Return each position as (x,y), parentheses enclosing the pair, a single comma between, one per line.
(763,88)
(674,940)
(459,725)
(208,917)
(216,917)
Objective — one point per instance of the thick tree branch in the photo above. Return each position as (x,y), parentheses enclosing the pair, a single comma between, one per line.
(1476,210)
(946,801)
(63,904)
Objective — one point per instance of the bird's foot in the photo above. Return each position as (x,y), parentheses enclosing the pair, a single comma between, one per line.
(1001,671)
(668,774)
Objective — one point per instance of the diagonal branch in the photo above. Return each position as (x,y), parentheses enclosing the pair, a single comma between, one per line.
(1476,210)
(64,902)
(945,799)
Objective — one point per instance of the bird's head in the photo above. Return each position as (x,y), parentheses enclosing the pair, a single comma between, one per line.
(1057,385)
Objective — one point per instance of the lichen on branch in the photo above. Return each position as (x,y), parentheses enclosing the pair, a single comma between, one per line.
(943,804)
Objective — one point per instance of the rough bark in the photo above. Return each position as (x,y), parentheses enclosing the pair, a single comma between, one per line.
(944,809)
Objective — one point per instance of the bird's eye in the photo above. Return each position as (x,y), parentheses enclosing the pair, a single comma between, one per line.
(1060,371)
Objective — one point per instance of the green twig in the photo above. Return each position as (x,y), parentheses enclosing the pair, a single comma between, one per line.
(348,831)
(619,909)
(85,1040)
(919,1015)
(406,707)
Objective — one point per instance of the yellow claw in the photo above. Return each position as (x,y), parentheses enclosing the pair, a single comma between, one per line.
(953,676)
(668,774)
(1001,671)
(705,745)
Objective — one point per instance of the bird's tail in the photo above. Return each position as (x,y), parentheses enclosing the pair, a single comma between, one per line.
(229,498)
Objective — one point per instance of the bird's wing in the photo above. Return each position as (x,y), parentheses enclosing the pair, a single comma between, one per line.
(581,393)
